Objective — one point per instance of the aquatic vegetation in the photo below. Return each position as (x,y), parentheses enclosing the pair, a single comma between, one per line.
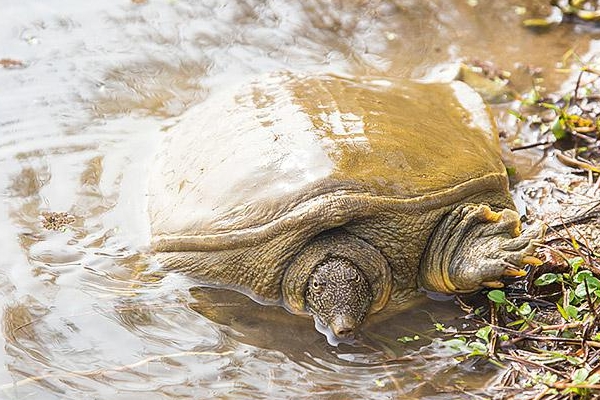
(578,11)
(544,330)
(583,10)
(566,123)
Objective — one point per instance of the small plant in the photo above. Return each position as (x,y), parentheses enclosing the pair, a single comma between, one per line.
(567,124)
(556,346)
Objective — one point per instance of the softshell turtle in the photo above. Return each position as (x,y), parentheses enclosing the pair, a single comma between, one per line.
(336,196)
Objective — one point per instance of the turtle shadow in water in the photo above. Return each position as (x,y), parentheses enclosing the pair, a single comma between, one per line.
(272,327)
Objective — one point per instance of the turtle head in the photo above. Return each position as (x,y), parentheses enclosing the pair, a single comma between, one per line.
(339,279)
(338,295)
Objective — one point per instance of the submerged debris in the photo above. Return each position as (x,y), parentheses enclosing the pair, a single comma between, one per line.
(490,82)
(569,123)
(55,221)
(576,11)
(11,63)
(583,10)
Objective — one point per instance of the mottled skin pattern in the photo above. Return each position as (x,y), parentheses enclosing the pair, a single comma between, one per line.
(338,293)
(337,197)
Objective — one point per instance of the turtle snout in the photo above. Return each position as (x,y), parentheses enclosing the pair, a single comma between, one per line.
(343,326)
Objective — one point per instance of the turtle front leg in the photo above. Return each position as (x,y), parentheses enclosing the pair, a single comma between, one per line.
(473,247)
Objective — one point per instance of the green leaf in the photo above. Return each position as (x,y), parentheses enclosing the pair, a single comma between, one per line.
(538,23)
(572,311)
(456,344)
(592,380)
(573,360)
(575,262)
(511,171)
(408,339)
(549,378)
(551,106)
(593,283)
(546,279)
(439,327)
(558,129)
(580,276)
(581,291)
(562,312)
(525,309)
(516,322)
(484,333)
(580,375)
(478,349)
(517,115)
(497,296)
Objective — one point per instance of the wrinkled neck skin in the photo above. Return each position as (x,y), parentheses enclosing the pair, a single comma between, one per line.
(474,247)
(339,279)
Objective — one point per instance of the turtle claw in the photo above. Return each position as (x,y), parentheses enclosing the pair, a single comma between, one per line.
(484,245)
(514,272)
(536,262)
(493,284)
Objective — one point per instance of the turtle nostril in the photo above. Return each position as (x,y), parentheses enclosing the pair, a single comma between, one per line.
(344,332)
(343,326)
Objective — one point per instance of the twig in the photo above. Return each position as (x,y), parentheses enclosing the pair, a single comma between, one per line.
(512,357)
(575,163)
(566,385)
(578,219)
(574,98)
(538,338)
(494,336)
(539,329)
(529,146)
(542,394)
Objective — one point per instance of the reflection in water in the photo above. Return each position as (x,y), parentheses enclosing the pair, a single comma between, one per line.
(79,122)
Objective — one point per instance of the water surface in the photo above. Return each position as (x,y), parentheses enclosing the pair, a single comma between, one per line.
(95,87)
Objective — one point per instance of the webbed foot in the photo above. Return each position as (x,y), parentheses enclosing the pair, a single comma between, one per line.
(475,247)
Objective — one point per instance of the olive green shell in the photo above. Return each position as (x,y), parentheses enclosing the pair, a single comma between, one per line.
(269,164)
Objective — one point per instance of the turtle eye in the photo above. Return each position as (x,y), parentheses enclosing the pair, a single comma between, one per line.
(317,286)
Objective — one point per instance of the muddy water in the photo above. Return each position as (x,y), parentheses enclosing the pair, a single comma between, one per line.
(92,88)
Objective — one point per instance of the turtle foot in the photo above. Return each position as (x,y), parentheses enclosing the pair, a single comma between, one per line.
(475,247)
